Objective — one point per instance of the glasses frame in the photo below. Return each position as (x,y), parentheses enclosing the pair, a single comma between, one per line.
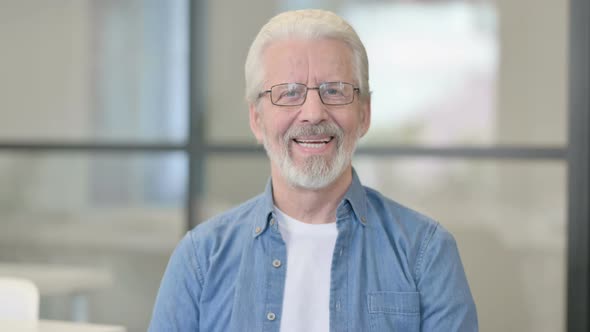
(317,88)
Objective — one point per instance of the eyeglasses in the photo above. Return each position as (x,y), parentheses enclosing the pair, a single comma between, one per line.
(295,94)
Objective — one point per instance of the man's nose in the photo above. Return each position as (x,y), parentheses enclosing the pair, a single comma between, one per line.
(313,110)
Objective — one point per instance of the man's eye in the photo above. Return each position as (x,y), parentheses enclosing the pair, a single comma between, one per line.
(332,92)
(290,94)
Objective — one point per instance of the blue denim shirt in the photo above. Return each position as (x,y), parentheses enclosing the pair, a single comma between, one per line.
(393,269)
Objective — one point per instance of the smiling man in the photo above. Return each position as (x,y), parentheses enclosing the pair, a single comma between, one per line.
(316,251)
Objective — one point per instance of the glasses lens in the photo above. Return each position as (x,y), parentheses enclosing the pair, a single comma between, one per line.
(336,93)
(288,94)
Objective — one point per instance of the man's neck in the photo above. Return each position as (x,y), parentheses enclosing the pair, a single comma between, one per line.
(310,206)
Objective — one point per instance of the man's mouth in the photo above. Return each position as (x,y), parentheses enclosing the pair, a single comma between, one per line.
(313,143)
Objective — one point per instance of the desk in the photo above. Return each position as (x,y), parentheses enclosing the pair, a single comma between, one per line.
(73,281)
(56,326)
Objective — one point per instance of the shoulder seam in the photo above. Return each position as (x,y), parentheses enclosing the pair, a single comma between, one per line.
(422,251)
(195,265)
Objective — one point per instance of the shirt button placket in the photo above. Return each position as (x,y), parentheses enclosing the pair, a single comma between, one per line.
(276,275)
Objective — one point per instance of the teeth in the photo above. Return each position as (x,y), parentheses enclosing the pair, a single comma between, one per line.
(304,141)
(314,141)
(311,145)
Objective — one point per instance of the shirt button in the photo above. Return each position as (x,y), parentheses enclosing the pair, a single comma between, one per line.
(272,221)
(258,230)
(271,316)
(276,263)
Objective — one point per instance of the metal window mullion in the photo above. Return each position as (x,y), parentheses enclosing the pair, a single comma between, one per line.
(198,25)
(91,147)
(494,152)
(578,254)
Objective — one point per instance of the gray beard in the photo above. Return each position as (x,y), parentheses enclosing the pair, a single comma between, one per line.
(317,171)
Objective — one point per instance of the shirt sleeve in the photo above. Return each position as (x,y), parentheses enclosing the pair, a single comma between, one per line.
(446,301)
(177,303)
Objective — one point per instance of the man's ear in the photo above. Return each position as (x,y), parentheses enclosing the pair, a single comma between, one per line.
(365,116)
(256,123)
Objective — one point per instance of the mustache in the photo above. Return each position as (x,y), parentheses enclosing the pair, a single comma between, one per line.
(329,129)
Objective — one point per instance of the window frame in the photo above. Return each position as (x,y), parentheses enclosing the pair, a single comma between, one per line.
(576,154)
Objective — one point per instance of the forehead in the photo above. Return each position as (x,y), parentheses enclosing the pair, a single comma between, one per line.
(307,61)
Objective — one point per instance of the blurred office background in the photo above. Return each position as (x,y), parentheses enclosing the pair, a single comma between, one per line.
(123,124)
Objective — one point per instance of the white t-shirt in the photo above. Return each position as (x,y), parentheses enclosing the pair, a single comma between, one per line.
(306,301)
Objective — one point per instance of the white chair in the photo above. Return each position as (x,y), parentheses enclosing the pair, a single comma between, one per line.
(19,299)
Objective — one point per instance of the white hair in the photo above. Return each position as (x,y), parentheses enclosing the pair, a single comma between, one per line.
(305,24)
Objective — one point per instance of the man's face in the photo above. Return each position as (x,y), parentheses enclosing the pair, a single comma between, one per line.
(310,145)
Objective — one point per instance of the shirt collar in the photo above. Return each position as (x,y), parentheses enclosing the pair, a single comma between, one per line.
(265,209)
(355,196)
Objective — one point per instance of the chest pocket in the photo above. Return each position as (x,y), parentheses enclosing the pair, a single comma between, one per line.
(394,311)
